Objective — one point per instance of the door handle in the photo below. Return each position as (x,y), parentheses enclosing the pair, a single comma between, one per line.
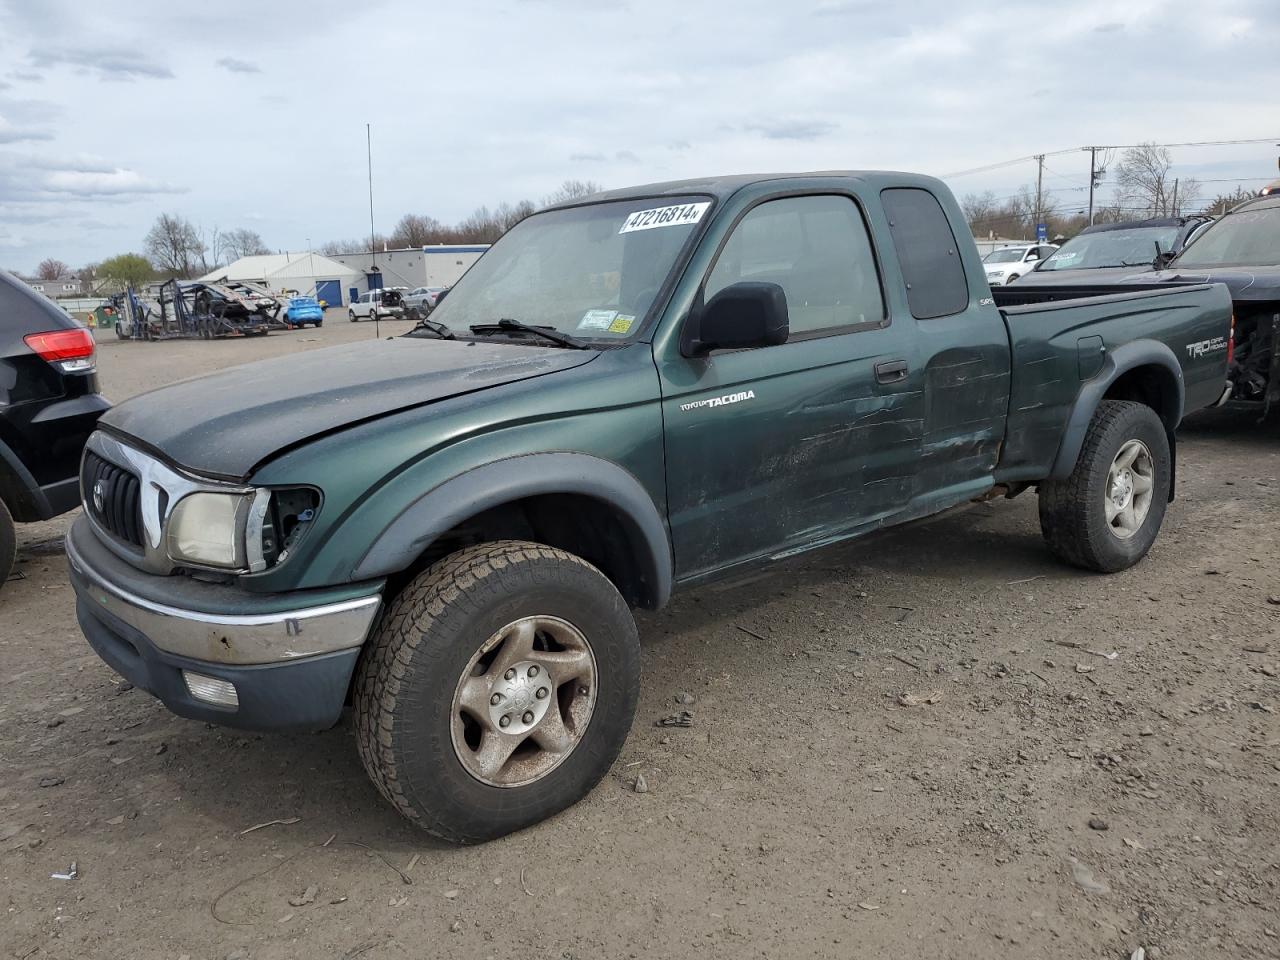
(891,371)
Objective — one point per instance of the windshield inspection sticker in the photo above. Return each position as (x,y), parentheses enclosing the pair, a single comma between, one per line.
(676,216)
(597,319)
(621,323)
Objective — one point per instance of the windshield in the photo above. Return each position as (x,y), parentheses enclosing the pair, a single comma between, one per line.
(1113,248)
(1003,256)
(591,272)
(1249,238)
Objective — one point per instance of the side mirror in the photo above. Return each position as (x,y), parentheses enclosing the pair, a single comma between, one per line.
(741,316)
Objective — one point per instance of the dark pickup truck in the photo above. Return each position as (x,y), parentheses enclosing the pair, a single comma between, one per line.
(1241,250)
(640,391)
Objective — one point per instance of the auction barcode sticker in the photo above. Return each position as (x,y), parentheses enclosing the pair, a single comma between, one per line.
(676,216)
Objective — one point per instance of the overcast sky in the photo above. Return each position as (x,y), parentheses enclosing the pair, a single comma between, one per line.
(252,114)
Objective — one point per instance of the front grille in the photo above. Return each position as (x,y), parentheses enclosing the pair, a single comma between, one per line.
(113,496)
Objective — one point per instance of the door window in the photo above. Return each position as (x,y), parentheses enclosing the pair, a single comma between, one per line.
(818,250)
(927,252)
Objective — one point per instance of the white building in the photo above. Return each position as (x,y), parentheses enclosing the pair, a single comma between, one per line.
(434,266)
(308,274)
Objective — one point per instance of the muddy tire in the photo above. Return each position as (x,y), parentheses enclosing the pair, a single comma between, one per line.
(1107,513)
(497,690)
(8,544)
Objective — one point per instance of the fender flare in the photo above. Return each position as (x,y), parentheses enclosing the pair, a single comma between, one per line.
(493,484)
(1129,356)
(25,499)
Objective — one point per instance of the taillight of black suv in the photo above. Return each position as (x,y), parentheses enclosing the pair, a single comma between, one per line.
(49,405)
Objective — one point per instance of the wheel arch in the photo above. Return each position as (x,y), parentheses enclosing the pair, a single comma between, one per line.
(1143,371)
(588,506)
(18,488)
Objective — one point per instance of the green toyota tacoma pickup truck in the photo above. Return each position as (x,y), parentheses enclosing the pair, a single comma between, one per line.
(641,391)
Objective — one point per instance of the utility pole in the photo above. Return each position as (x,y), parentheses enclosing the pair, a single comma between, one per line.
(1039,158)
(1174,210)
(1093,177)
(373,247)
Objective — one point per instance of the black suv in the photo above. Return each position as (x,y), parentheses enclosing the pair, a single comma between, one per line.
(49,404)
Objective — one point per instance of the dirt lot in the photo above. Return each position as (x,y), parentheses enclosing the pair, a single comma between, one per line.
(935,743)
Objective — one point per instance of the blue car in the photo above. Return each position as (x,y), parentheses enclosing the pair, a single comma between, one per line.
(299,311)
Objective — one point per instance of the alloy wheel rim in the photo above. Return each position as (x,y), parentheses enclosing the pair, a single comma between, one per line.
(523,703)
(1129,489)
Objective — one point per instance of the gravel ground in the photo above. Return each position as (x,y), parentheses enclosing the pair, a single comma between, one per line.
(937,742)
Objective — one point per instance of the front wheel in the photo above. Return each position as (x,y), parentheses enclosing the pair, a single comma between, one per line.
(1106,515)
(351,315)
(498,690)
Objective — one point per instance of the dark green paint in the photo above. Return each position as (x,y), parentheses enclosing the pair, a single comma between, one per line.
(820,452)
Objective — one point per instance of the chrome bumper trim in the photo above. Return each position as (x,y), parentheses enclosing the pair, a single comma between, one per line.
(222,638)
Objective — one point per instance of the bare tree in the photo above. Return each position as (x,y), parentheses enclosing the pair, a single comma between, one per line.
(416,230)
(175,245)
(241,242)
(1145,186)
(1186,195)
(51,269)
(571,190)
(979,209)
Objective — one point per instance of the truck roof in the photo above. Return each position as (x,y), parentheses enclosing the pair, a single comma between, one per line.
(1150,222)
(722,187)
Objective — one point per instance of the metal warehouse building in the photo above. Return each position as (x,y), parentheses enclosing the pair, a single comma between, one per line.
(308,273)
(433,266)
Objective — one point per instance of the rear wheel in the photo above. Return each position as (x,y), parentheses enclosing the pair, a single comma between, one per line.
(120,334)
(8,544)
(1106,515)
(498,690)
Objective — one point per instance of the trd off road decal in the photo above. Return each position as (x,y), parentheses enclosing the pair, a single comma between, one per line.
(1204,347)
(719,401)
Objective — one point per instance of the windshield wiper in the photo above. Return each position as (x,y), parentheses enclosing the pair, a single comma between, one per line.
(507,325)
(434,326)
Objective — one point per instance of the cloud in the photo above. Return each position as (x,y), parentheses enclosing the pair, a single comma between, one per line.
(42,180)
(9,133)
(793,129)
(103,61)
(1109,28)
(237,66)
(587,158)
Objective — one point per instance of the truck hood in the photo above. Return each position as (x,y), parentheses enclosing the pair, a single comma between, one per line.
(225,424)
(1245,283)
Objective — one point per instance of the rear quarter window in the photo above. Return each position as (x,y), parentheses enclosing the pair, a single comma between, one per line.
(927,252)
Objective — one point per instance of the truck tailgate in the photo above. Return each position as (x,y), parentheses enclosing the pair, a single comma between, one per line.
(1063,339)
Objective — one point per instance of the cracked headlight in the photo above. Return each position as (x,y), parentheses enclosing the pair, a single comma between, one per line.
(246,532)
(206,529)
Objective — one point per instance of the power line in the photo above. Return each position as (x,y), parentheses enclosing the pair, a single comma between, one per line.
(1114,146)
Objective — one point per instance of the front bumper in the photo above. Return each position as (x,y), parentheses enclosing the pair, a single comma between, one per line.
(289,665)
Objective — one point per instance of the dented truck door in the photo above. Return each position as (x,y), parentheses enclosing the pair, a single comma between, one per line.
(783,447)
(963,345)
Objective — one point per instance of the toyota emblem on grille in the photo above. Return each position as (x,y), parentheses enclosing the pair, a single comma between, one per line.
(99,496)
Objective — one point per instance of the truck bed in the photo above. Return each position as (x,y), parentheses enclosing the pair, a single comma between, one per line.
(1063,337)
